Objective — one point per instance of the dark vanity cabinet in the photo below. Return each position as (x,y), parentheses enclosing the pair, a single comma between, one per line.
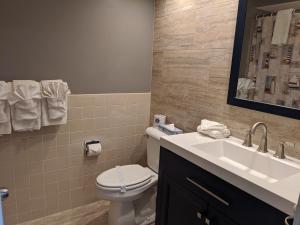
(189,195)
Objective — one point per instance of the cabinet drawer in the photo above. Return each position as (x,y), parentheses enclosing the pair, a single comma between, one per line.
(222,196)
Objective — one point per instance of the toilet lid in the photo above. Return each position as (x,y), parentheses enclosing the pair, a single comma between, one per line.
(124,176)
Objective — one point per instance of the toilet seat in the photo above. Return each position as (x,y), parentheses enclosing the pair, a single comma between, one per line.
(122,210)
(124,178)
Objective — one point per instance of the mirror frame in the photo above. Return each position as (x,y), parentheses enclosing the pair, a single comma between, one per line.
(234,74)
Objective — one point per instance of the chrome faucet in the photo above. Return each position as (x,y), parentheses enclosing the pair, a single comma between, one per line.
(263,146)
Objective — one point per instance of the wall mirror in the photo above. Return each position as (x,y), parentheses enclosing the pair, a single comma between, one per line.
(265,71)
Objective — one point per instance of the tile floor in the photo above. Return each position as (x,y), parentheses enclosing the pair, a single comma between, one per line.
(92,214)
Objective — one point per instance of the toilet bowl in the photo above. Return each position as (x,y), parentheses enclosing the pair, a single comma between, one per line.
(124,186)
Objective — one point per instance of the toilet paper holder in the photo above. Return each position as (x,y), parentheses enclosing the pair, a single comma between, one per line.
(87,151)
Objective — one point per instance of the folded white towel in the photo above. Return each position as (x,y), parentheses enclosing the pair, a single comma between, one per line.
(5,124)
(3,113)
(211,125)
(282,27)
(245,84)
(213,129)
(25,102)
(55,102)
(216,134)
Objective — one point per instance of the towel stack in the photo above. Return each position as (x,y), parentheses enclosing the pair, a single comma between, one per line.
(245,87)
(55,102)
(5,124)
(27,105)
(213,129)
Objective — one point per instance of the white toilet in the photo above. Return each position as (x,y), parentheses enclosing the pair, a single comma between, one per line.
(127,186)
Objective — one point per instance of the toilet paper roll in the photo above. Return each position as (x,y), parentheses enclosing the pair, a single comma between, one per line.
(93,148)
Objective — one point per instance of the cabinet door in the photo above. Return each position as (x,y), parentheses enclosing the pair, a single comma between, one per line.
(227,199)
(181,207)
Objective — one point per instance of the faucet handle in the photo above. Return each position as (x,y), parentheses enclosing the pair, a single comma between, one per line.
(248,139)
(280,153)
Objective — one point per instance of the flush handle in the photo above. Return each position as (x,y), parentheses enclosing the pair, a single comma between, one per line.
(215,196)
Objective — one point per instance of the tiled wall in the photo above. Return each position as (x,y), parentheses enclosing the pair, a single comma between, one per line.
(192,57)
(46,171)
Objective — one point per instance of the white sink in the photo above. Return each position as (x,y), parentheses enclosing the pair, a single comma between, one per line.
(247,160)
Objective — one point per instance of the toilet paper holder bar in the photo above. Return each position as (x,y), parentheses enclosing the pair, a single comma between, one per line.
(89,142)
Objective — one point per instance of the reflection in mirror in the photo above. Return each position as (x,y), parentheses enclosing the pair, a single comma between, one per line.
(270,61)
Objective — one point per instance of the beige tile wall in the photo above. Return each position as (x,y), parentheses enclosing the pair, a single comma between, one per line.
(46,171)
(193,46)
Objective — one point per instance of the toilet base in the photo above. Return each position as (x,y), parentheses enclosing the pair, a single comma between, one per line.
(121,213)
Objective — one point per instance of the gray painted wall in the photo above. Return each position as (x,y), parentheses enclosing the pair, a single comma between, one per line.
(97,46)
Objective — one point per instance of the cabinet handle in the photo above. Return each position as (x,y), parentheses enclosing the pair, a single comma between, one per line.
(199,215)
(207,221)
(208,192)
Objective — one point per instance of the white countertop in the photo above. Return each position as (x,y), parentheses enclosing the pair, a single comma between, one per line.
(282,195)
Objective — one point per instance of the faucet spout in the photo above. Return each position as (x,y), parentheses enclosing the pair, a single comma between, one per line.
(256,125)
(263,146)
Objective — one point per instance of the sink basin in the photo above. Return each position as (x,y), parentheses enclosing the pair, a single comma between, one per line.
(255,164)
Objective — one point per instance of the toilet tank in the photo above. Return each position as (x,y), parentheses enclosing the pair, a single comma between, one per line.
(153,147)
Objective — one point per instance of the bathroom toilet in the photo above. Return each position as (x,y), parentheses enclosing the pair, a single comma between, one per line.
(132,188)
